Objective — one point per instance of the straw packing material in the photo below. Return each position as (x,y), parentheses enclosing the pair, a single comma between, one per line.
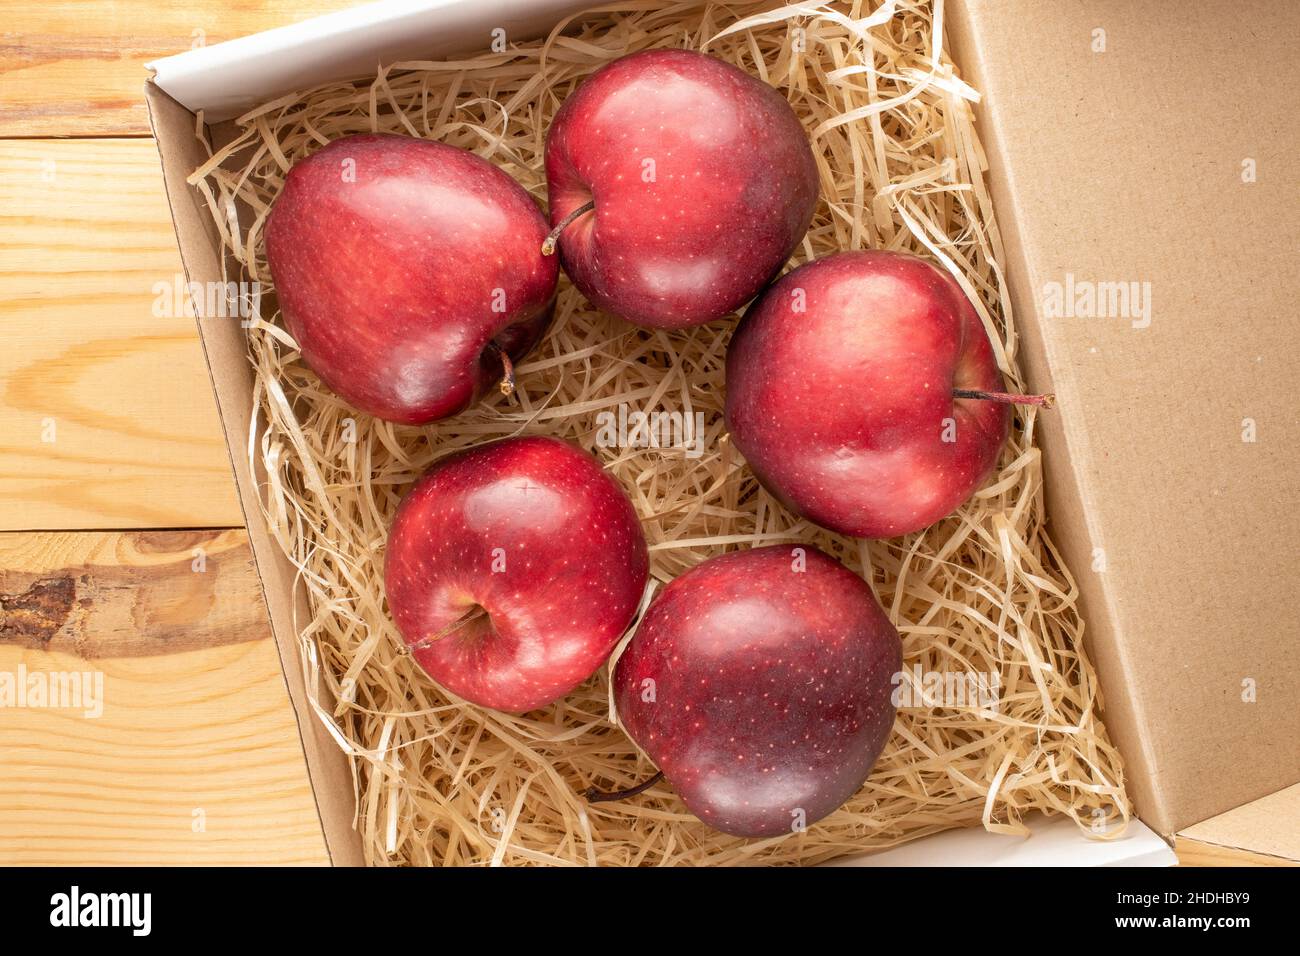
(982,599)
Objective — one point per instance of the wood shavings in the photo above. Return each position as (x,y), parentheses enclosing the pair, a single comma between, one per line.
(982,592)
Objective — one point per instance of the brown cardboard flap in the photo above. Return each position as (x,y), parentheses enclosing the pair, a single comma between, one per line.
(1269,826)
(232,381)
(1153,144)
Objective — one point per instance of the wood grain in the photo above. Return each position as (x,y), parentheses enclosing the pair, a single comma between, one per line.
(139,594)
(195,757)
(77,68)
(106,413)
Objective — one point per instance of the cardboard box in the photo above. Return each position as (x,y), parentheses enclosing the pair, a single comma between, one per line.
(1143,169)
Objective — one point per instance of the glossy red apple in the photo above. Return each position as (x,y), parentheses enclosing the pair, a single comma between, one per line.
(512,570)
(409,273)
(760,683)
(863,391)
(702,184)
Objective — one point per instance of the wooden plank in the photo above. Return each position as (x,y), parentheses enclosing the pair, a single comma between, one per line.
(195,757)
(106,414)
(76,68)
(142,594)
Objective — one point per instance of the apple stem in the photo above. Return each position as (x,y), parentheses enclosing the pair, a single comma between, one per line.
(472,614)
(1007,398)
(594,795)
(508,378)
(548,246)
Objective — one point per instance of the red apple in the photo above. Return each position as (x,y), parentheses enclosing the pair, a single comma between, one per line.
(760,683)
(863,391)
(513,569)
(409,273)
(702,181)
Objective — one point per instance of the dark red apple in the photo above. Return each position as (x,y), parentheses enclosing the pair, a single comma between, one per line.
(409,273)
(863,391)
(760,683)
(513,569)
(702,182)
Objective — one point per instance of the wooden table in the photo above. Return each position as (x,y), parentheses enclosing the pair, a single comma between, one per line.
(121,547)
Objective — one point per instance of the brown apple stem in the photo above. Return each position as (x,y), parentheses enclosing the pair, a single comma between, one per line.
(548,246)
(508,378)
(473,614)
(604,796)
(1007,398)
